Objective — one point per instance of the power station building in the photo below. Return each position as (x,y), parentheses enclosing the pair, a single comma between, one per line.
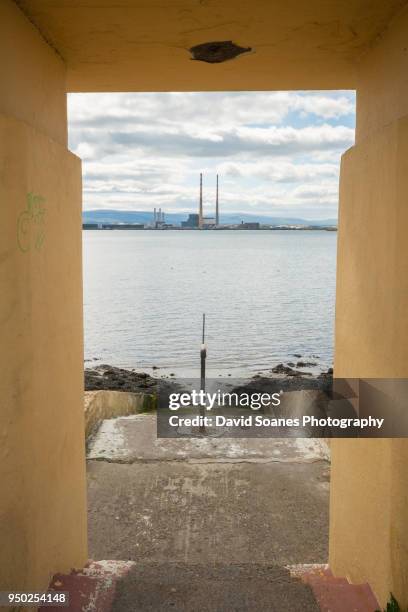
(192,221)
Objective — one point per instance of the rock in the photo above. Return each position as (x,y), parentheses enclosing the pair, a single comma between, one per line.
(109,378)
(325,380)
(281,369)
(271,383)
(287,370)
(305,364)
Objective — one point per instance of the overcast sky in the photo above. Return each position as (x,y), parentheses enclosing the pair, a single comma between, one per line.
(276,153)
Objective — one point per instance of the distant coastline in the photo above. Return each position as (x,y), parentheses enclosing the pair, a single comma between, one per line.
(136,226)
(137,220)
(132,217)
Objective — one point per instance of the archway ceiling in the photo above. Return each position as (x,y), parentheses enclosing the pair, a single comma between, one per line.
(131,45)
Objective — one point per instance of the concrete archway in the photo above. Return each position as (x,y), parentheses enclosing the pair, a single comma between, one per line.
(49,49)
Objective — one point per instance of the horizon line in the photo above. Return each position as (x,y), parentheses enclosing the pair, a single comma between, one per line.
(186,212)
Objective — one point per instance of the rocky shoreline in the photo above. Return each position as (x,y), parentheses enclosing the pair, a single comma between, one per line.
(110,378)
(285,377)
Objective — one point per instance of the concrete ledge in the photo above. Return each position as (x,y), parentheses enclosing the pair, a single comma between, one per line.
(101,405)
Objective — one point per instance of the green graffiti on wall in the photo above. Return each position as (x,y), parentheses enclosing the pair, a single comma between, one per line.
(31,224)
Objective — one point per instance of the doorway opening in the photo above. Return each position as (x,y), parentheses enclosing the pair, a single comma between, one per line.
(264,274)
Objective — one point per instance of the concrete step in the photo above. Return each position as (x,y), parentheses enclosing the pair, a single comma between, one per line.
(155,587)
(212,588)
(118,586)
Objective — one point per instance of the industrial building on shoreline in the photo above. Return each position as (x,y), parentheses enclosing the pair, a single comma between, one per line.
(198,221)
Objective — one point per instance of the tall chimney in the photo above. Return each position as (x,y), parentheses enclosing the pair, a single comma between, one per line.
(200,210)
(217,212)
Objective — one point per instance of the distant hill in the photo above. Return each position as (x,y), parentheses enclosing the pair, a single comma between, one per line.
(130,216)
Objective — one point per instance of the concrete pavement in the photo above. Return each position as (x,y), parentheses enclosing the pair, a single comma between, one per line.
(209,522)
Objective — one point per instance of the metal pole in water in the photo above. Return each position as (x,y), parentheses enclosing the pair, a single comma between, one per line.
(203,355)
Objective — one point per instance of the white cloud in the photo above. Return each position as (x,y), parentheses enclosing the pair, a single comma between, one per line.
(281,170)
(233,108)
(273,151)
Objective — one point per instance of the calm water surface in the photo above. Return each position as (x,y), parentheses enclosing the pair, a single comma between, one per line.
(267,295)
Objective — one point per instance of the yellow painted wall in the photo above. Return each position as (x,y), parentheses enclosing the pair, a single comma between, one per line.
(382,79)
(139,45)
(42,468)
(369,487)
(372,277)
(32,75)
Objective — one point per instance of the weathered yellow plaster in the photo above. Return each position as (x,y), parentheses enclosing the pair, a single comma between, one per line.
(130,45)
(32,75)
(42,463)
(369,487)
